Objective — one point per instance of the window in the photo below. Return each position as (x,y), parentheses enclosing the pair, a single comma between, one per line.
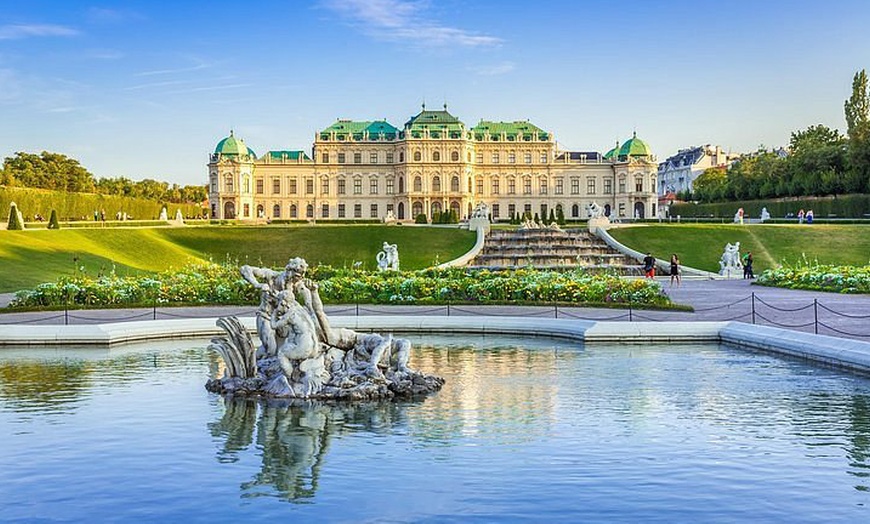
(276,211)
(341,186)
(341,158)
(276,186)
(512,158)
(246,185)
(309,211)
(341,211)
(324,186)
(436,184)
(622,185)
(608,186)
(560,186)
(373,212)
(480,186)
(293,212)
(638,184)
(527,158)
(512,186)
(357,210)
(228,182)
(454,184)
(247,209)
(527,185)
(512,210)
(527,209)
(575,186)
(436,156)
(418,184)
(309,187)
(214,184)
(478,158)
(259,184)
(401,156)
(622,210)
(373,157)
(454,156)
(389,157)
(575,211)
(324,211)
(495,158)
(401,185)
(325,158)
(373,186)
(542,186)
(357,186)
(390,208)
(291,186)
(590,186)
(417,156)
(495,188)
(495,211)
(357,158)
(391,183)
(543,158)
(544,211)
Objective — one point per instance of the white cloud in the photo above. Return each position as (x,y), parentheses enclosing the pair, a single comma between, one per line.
(18,31)
(405,20)
(112,16)
(494,70)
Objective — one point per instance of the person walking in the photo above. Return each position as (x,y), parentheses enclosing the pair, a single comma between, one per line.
(649,266)
(747,265)
(675,269)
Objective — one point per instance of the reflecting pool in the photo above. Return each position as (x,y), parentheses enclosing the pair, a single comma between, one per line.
(529,430)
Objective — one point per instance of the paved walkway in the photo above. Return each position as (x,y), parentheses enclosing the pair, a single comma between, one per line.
(827,313)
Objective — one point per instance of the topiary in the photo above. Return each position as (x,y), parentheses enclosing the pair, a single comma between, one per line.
(52,220)
(15,220)
(421,219)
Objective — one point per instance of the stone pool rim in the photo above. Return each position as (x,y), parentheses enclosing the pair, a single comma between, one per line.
(853,355)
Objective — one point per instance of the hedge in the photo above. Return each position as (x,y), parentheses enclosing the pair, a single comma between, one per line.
(843,206)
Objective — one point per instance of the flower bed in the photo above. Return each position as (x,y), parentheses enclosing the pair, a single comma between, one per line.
(221,284)
(818,277)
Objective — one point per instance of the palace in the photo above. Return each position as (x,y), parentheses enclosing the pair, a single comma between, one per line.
(365,170)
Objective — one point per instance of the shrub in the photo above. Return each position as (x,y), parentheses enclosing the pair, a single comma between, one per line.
(421,219)
(15,220)
(52,220)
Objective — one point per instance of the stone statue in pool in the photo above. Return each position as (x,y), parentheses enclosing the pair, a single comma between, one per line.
(301,355)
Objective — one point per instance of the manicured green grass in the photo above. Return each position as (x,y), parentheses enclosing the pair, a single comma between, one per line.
(701,245)
(28,258)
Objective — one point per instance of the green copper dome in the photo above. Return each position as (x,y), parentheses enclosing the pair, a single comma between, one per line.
(232,146)
(611,155)
(634,147)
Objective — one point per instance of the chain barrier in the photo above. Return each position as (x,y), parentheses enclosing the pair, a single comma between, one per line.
(32,320)
(847,333)
(115,319)
(778,324)
(839,314)
(725,306)
(758,299)
(564,313)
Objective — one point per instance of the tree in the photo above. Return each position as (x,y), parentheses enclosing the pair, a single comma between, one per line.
(52,220)
(552,217)
(857,109)
(560,216)
(710,185)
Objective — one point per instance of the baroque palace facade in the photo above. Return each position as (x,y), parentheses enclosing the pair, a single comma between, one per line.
(364,170)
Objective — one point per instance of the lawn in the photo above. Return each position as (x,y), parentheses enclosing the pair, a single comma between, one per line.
(701,245)
(28,258)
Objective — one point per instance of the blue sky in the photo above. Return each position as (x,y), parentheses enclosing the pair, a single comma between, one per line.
(141,89)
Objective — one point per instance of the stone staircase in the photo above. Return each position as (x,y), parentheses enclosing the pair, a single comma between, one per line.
(551,249)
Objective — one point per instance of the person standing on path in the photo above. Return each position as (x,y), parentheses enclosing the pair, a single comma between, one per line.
(747,265)
(649,266)
(675,269)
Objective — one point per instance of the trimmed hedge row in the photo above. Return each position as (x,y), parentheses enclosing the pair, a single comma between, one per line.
(843,206)
(81,206)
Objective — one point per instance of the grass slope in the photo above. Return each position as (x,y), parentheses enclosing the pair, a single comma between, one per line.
(28,258)
(701,245)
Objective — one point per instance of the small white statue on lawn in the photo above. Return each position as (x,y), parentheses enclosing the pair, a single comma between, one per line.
(729,263)
(738,216)
(163,215)
(388,259)
(764,214)
(390,217)
(593,210)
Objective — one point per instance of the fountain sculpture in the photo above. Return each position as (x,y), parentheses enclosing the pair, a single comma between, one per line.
(302,356)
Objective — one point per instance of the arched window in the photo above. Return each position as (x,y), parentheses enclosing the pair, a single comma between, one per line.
(261,213)
(454,184)
(454,156)
(401,184)
(293,212)
(417,209)
(436,208)
(454,207)
(417,156)
(575,211)
(436,156)
(276,211)
(418,184)
(309,211)
(229,210)
(436,184)
(401,156)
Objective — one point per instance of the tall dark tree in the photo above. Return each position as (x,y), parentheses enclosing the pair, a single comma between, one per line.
(857,109)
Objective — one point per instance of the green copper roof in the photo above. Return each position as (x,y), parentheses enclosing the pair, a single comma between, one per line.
(232,146)
(436,122)
(611,155)
(287,155)
(519,131)
(634,147)
(356,129)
